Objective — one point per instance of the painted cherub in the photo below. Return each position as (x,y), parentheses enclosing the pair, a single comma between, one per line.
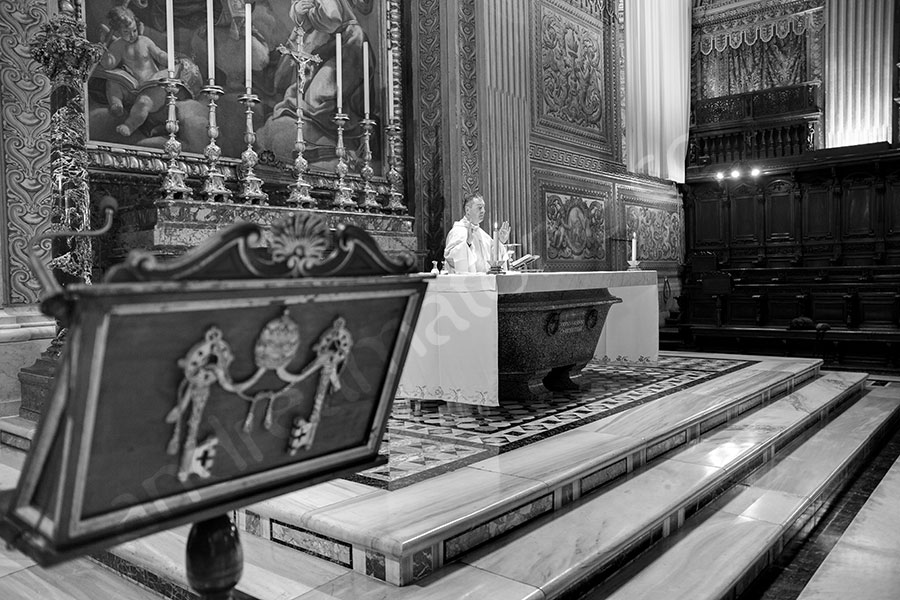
(134,66)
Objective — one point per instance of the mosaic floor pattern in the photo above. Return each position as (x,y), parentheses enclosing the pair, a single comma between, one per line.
(426,438)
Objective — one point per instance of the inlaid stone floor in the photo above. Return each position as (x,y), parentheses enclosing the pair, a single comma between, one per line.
(427,438)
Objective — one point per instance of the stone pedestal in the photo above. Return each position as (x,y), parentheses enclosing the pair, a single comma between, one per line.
(24,334)
(36,383)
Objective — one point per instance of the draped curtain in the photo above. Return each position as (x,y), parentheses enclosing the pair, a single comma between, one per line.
(657,86)
(778,62)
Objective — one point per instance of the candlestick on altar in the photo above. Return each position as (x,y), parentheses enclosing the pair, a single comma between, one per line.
(214,182)
(342,197)
(173,181)
(251,185)
(367,200)
(395,200)
(634,246)
(300,188)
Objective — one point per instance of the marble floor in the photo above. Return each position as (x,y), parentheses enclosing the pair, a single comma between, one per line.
(275,572)
(426,438)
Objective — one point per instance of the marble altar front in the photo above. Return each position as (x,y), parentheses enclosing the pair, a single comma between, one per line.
(456,346)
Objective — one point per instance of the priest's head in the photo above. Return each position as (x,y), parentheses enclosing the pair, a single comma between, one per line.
(473,208)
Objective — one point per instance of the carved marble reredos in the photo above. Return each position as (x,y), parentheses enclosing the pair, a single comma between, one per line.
(658,218)
(429,130)
(573,108)
(470,147)
(25,135)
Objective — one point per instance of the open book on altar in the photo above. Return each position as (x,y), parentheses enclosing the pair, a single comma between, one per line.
(524,261)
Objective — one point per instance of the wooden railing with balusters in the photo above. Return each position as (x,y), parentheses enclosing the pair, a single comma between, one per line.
(768,124)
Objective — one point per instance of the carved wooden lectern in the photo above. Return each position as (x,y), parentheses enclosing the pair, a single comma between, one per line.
(193,387)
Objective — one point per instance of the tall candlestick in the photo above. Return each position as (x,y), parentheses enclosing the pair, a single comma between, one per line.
(210,43)
(634,246)
(339,74)
(390,84)
(366,78)
(248,46)
(170,36)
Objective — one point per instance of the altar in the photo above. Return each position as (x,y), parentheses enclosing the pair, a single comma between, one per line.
(455,348)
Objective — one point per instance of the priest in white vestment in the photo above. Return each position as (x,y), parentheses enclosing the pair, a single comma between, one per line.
(468,248)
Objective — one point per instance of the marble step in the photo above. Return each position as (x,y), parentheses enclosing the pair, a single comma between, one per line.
(863,563)
(718,553)
(600,534)
(404,535)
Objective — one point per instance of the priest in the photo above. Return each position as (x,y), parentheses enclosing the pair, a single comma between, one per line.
(469,248)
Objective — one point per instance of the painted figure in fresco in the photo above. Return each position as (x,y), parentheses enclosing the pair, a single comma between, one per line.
(319,21)
(134,65)
(468,246)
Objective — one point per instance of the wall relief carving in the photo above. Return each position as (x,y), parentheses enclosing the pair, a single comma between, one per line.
(25,121)
(576,227)
(660,233)
(576,77)
(572,73)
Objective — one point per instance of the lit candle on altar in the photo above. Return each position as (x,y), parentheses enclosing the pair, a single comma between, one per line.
(210,43)
(248,47)
(339,74)
(366,79)
(634,247)
(170,36)
(495,249)
(390,84)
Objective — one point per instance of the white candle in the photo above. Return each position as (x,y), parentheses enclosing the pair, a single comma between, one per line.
(366,78)
(634,246)
(210,43)
(495,248)
(339,74)
(248,47)
(170,36)
(390,84)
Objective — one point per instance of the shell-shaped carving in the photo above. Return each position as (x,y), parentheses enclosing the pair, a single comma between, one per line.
(300,242)
(277,343)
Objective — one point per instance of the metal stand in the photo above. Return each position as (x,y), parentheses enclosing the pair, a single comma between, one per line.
(634,265)
(214,184)
(251,185)
(214,558)
(173,182)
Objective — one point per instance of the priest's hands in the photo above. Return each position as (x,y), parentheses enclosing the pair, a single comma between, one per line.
(504,232)
(471,233)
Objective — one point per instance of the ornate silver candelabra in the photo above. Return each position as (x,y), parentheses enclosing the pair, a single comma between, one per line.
(300,188)
(173,182)
(367,200)
(395,200)
(214,184)
(342,197)
(251,185)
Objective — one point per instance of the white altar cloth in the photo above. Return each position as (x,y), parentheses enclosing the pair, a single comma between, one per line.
(453,353)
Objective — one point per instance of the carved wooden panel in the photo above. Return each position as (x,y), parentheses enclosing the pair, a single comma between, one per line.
(744,217)
(708,221)
(780,222)
(818,213)
(859,207)
(892,206)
